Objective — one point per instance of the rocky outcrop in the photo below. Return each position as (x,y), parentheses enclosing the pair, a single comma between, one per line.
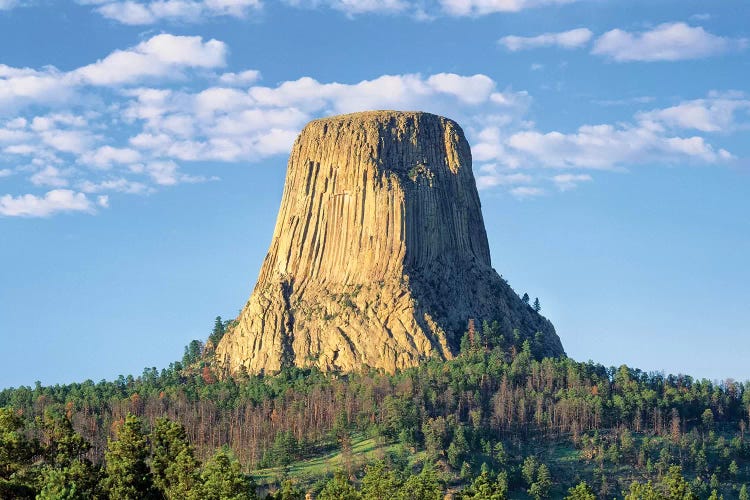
(379,257)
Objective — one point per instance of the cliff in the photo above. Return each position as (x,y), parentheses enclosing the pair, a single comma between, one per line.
(379,256)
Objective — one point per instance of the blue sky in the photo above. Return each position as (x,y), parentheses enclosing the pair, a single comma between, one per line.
(143,148)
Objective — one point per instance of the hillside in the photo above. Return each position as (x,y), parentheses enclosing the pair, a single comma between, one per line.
(498,407)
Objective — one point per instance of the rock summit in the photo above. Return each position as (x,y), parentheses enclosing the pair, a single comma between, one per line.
(379,257)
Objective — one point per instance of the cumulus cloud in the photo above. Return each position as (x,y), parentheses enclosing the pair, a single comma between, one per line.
(492,175)
(49,176)
(106,156)
(515,155)
(52,202)
(716,113)
(239,79)
(606,147)
(160,56)
(150,12)
(571,39)
(21,86)
(666,42)
(228,124)
(136,132)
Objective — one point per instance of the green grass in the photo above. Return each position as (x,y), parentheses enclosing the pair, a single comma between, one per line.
(364,450)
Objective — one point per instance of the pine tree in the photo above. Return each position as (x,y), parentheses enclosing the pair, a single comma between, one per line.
(484,488)
(339,488)
(743,493)
(193,352)
(501,485)
(223,479)
(581,491)
(173,463)
(676,485)
(423,486)
(540,488)
(458,448)
(218,332)
(16,457)
(528,470)
(288,491)
(526,298)
(67,472)
(537,305)
(127,473)
(378,482)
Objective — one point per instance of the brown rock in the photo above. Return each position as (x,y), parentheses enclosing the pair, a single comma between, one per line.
(379,257)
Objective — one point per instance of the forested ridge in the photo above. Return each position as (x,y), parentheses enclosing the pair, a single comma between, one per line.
(496,422)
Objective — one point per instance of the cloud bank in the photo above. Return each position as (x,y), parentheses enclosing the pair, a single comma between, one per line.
(149,117)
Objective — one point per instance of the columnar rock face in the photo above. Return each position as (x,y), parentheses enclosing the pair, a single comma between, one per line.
(379,257)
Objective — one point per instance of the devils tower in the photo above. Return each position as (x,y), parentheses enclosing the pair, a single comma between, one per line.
(379,257)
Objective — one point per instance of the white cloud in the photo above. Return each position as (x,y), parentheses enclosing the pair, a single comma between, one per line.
(147,12)
(384,92)
(606,147)
(484,7)
(150,12)
(5,172)
(161,56)
(717,113)
(666,42)
(227,124)
(67,141)
(166,173)
(493,175)
(49,176)
(57,200)
(106,156)
(505,152)
(469,89)
(21,86)
(239,79)
(103,201)
(355,7)
(571,39)
(566,182)
(135,132)
(120,185)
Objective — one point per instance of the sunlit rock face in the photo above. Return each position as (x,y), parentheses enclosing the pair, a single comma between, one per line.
(379,256)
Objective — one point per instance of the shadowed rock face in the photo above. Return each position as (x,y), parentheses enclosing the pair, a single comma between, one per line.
(379,257)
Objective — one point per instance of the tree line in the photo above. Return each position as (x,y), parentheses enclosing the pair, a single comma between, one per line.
(496,403)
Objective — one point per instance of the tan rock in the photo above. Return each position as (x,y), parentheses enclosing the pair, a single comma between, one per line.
(379,257)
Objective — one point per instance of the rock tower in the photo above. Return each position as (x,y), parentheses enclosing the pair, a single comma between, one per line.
(379,257)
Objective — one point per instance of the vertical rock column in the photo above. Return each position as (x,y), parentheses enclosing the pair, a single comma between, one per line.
(379,256)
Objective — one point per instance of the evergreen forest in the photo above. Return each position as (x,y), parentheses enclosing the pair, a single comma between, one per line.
(498,421)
